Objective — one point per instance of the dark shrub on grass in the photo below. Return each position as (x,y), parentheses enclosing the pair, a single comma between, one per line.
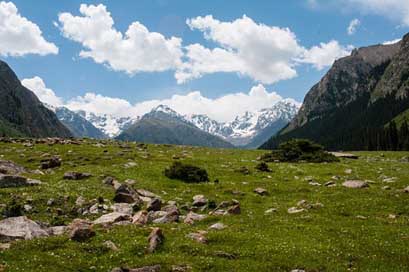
(187,173)
(13,209)
(263,167)
(299,150)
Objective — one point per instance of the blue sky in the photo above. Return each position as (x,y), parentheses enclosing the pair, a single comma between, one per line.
(311,22)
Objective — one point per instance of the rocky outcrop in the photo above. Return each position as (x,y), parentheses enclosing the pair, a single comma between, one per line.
(20,228)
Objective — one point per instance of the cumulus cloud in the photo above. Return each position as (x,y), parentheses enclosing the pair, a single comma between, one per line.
(325,54)
(19,36)
(264,53)
(138,50)
(353,25)
(38,87)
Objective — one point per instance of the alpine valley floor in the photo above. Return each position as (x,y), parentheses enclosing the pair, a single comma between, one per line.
(335,228)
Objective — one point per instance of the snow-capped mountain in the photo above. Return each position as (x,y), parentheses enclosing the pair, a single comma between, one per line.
(248,126)
(109,124)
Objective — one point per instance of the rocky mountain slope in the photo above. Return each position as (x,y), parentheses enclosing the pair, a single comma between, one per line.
(252,128)
(21,113)
(78,125)
(163,125)
(359,95)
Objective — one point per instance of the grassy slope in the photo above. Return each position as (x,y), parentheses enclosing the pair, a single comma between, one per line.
(328,239)
(401,118)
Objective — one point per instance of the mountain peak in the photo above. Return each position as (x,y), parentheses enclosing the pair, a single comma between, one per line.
(164,109)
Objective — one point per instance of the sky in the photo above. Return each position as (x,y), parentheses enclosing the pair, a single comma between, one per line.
(219,58)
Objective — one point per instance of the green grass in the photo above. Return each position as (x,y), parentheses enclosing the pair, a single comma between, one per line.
(330,238)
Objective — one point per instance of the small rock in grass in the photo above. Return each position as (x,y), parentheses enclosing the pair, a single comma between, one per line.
(81,230)
(181,268)
(110,245)
(294,210)
(234,209)
(53,162)
(199,237)
(140,218)
(111,218)
(261,191)
(217,226)
(192,217)
(4,246)
(199,201)
(270,211)
(155,239)
(154,205)
(76,176)
(330,184)
(406,190)
(355,184)
(20,228)
(348,171)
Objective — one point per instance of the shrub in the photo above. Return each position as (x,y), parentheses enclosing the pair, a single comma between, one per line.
(187,173)
(263,167)
(13,209)
(299,150)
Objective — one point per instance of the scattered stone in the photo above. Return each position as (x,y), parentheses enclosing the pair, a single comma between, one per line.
(130,164)
(124,208)
(111,218)
(192,217)
(76,175)
(57,230)
(181,268)
(199,201)
(330,184)
(81,230)
(110,245)
(348,171)
(53,162)
(11,181)
(243,170)
(154,205)
(361,217)
(392,216)
(217,226)
(344,155)
(4,246)
(125,194)
(20,228)
(155,239)
(406,190)
(140,218)
(234,209)
(10,168)
(270,211)
(355,184)
(225,255)
(199,236)
(314,183)
(146,193)
(386,188)
(261,191)
(27,208)
(294,210)
(80,201)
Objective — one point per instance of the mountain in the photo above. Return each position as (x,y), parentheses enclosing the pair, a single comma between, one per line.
(78,125)
(21,113)
(349,108)
(251,129)
(164,126)
(110,125)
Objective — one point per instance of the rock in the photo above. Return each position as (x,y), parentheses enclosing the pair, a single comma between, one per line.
(57,230)
(53,162)
(111,218)
(76,175)
(80,201)
(140,218)
(348,171)
(314,183)
(4,246)
(234,209)
(10,181)
(171,215)
(192,217)
(155,239)
(199,237)
(181,268)
(10,168)
(330,184)
(217,226)
(110,245)
(154,268)
(154,205)
(344,155)
(146,193)
(27,208)
(81,230)
(294,210)
(199,201)
(270,211)
(386,188)
(261,191)
(124,208)
(18,228)
(406,190)
(130,164)
(355,184)
(225,255)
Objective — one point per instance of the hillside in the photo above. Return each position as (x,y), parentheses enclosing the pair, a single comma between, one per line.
(349,107)
(164,126)
(21,113)
(301,218)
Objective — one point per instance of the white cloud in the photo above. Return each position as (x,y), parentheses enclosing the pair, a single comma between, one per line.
(138,50)
(394,10)
(264,53)
(224,108)
(325,54)
(353,25)
(392,41)
(46,95)
(19,36)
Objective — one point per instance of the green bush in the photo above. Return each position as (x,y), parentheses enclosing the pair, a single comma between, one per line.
(187,173)
(299,150)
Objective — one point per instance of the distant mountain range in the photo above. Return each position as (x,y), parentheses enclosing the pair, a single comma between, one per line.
(249,130)
(361,103)
(21,113)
